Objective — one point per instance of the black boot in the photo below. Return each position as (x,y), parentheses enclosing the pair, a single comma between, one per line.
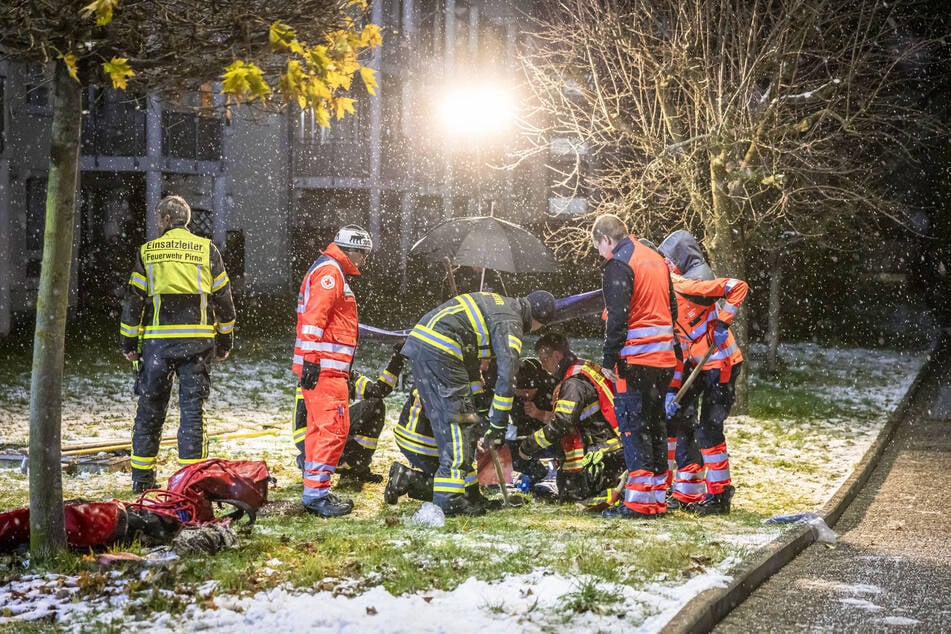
(400,480)
(716,504)
(329,506)
(622,511)
(474,495)
(359,473)
(459,504)
(142,482)
(421,488)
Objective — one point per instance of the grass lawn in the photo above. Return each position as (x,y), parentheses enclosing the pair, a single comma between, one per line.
(806,430)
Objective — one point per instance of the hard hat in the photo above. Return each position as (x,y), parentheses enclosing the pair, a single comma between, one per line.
(353,237)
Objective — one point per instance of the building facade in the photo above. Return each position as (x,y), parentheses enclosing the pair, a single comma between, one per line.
(271,189)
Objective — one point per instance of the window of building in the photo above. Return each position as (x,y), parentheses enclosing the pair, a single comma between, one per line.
(187,135)
(35,224)
(202,223)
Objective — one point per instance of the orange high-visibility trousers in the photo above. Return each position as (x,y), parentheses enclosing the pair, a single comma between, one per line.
(328,423)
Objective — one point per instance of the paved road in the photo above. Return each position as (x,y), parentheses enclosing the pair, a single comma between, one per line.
(891,568)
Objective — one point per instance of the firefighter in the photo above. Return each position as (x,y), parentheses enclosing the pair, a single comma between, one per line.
(638,356)
(367,416)
(706,308)
(178,304)
(442,348)
(415,439)
(327,329)
(534,388)
(583,422)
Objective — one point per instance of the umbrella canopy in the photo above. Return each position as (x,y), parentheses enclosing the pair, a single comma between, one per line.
(487,242)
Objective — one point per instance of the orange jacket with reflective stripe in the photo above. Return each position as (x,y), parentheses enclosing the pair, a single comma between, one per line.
(698,311)
(650,331)
(327,322)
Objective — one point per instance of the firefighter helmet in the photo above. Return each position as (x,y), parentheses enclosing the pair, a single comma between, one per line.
(353,237)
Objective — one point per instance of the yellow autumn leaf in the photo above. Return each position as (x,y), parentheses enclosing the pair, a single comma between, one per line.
(70,60)
(369,80)
(321,115)
(344,106)
(283,38)
(103,10)
(371,36)
(244,81)
(119,71)
(317,58)
(362,4)
(317,91)
(292,82)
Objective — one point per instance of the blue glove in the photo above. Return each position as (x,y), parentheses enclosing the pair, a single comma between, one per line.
(670,405)
(720,333)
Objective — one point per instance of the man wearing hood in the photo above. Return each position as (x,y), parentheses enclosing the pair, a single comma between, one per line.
(443,348)
(697,449)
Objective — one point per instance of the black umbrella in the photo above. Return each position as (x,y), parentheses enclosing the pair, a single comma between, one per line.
(487,242)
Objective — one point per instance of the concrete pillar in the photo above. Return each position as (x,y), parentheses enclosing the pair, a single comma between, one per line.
(5,273)
(376,134)
(407,209)
(449,62)
(153,164)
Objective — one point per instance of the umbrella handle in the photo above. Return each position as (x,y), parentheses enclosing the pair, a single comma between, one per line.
(450,276)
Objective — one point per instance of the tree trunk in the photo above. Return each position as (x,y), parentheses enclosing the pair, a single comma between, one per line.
(47,528)
(772,335)
(726,245)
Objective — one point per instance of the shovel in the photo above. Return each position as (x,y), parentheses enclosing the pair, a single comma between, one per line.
(514,501)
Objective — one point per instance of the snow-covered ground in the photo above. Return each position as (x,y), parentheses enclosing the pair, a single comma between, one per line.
(98,405)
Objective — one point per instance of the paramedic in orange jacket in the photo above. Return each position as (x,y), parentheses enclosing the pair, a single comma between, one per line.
(327,327)
(706,308)
(639,343)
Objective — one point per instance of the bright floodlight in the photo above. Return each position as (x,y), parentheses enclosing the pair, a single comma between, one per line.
(475,111)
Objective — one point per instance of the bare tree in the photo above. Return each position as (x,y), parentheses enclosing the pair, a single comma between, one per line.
(743,121)
(162,47)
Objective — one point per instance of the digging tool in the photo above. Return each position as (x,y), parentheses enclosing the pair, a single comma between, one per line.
(680,394)
(515,501)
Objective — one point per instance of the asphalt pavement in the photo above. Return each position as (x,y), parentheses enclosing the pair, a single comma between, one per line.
(890,570)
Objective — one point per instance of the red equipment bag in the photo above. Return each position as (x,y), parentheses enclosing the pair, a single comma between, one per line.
(87,524)
(240,483)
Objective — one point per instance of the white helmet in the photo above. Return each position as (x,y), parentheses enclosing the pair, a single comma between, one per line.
(353,237)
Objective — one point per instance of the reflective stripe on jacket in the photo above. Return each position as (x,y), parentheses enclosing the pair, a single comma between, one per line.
(477,326)
(650,330)
(698,310)
(327,321)
(178,289)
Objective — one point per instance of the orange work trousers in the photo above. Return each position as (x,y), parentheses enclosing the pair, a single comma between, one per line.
(328,423)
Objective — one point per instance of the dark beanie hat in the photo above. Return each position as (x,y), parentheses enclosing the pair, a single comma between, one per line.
(542,304)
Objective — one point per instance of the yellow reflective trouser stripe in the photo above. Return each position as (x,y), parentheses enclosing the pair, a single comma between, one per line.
(142,462)
(515,344)
(503,403)
(366,441)
(299,434)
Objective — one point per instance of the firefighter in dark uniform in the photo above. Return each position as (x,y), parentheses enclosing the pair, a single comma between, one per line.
(178,304)
(367,416)
(443,348)
(583,423)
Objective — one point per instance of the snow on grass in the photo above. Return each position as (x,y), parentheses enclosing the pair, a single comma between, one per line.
(782,463)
